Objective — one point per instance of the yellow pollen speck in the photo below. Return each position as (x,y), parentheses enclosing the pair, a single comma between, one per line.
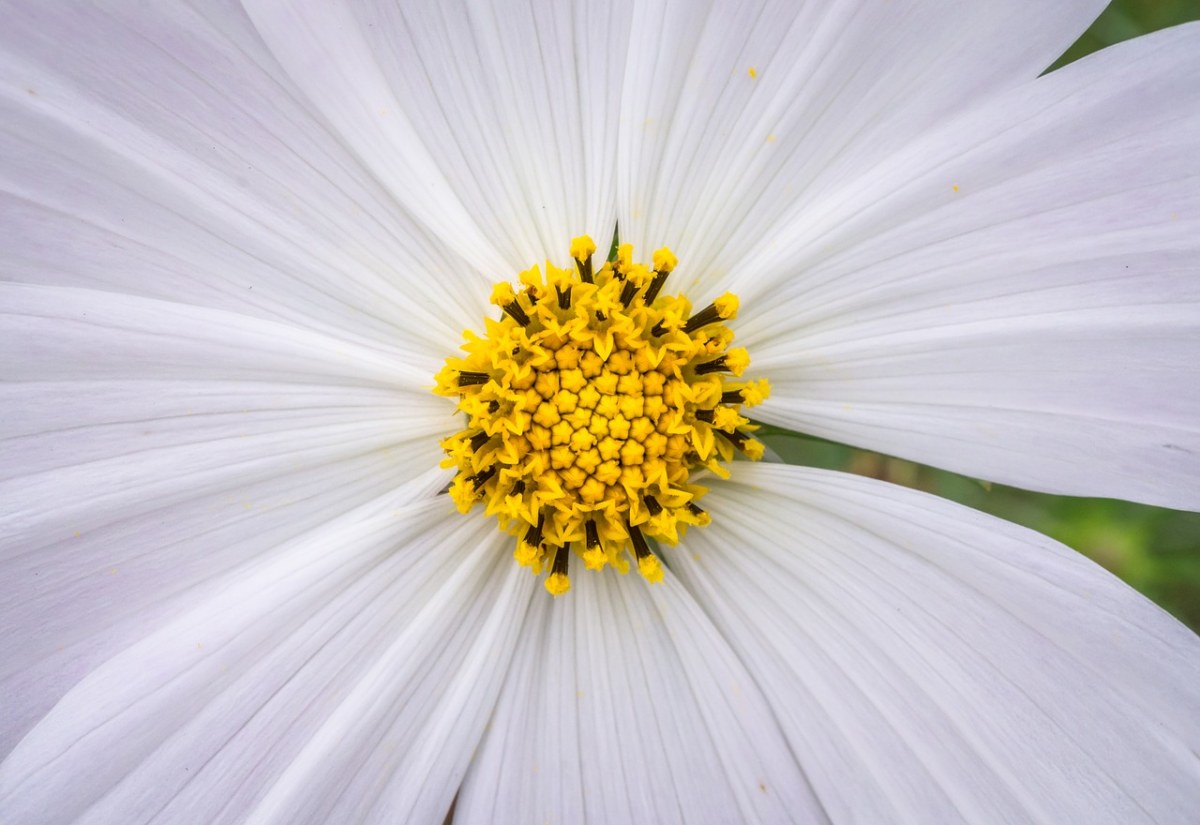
(955,187)
(753,72)
(588,406)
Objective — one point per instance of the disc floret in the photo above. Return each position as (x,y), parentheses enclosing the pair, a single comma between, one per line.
(591,405)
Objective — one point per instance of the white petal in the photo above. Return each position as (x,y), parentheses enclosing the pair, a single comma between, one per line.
(346,677)
(929,663)
(1040,326)
(156,150)
(625,705)
(146,448)
(494,125)
(736,116)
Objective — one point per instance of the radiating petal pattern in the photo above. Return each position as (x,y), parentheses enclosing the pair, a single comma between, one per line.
(1015,297)
(625,705)
(345,676)
(157,150)
(494,124)
(930,663)
(238,239)
(737,119)
(146,447)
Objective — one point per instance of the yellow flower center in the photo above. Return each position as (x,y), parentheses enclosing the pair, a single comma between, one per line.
(590,405)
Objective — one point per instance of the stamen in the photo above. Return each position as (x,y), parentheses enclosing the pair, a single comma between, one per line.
(504,297)
(722,309)
(647,562)
(664,264)
(591,410)
(558,582)
(470,379)
(482,477)
(518,314)
(751,395)
(582,249)
(752,447)
(630,289)
(655,287)
(533,536)
(735,361)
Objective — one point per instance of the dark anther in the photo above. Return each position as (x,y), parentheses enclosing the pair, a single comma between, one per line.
(467,379)
(562,557)
(732,397)
(585,269)
(658,329)
(518,314)
(705,416)
(493,406)
(627,293)
(694,510)
(482,477)
(652,505)
(564,297)
(640,548)
(702,318)
(600,316)
(715,365)
(736,438)
(533,536)
(593,537)
(518,488)
(478,440)
(655,287)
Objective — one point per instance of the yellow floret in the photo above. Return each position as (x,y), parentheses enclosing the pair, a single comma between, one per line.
(588,406)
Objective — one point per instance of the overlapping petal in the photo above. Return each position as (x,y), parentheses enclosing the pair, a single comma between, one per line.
(738,119)
(345,676)
(157,150)
(493,123)
(150,447)
(928,662)
(1016,296)
(237,243)
(625,704)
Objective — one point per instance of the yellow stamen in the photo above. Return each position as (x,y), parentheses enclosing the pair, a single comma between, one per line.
(589,405)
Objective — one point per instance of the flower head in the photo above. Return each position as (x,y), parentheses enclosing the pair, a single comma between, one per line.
(238,242)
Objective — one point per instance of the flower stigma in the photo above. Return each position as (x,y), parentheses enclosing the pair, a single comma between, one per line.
(591,407)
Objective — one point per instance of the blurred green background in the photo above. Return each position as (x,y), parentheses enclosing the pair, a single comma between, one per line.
(1157,551)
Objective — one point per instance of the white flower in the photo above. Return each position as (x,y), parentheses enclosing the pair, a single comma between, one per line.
(237,244)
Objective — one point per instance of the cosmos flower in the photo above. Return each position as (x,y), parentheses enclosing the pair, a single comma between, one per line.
(239,243)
